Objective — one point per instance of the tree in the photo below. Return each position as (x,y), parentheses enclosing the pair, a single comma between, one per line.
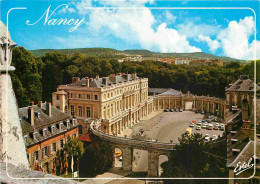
(74,147)
(27,76)
(194,158)
(97,159)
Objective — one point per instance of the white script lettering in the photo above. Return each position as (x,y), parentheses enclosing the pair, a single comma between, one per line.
(62,21)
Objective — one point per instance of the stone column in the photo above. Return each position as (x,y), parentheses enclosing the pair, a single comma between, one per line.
(153,161)
(127,158)
(163,104)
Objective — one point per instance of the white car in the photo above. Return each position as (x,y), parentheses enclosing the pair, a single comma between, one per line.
(192,125)
(214,137)
(207,139)
(199,123)
(217,124)
(198,128)
(207,135)
(222,125)
(204,126)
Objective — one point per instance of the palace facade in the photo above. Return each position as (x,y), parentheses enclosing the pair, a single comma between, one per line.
(119,100)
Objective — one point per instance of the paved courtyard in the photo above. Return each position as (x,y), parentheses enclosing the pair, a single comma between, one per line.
(164,127)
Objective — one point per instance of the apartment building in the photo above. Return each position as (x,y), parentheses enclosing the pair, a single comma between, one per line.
(45,130)
(118,101)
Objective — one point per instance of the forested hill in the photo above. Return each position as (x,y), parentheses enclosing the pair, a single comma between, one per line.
(113,53)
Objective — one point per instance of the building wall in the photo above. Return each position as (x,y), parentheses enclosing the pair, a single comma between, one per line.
(51,154)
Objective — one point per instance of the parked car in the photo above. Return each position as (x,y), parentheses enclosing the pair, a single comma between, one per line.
(215,128)
(166,110)
(172,110)
(214,137)
(207,139)
(176,110)
(210,127)
(206,135)
(222,128)
(203,121)
(192,125)
(202,112)
(204,126)
(121,158)
(217,124)
(181,109)
(199,123)
(198,128)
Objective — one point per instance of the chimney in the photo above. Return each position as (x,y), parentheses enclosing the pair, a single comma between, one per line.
(87,82)
(104,81)
(75,79)
(48,108)
(31,103)
(97,76)
(40,104)
(133,76)
(31,115)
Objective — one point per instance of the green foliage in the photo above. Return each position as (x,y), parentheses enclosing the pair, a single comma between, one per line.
(74,147)
(194,158)
(97,159)
(27,76)
(35,79)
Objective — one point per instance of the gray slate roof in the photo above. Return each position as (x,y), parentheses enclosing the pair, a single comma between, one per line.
(98,82)
(43,121)
(164,91)
(247,153)
(243,85)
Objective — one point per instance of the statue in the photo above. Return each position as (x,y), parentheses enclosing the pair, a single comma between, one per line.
(6,48)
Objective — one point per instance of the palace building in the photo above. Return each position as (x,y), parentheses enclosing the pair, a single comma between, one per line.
(45,130)
(118,101)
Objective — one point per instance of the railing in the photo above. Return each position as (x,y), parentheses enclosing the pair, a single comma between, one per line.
(130,141)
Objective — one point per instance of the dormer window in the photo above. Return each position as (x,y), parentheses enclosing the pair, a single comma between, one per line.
(52,129)
(44,132)
(68,123)
(34,135)
(74,121)
(25,139)
(60,126)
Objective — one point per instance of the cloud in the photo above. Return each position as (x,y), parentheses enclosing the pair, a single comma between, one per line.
(170,18)
(213,44)
(135,26)
(235,39)
(66,10)
(193,30)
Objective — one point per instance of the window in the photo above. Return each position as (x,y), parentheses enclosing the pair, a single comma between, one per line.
(104,96)
(96,97)
(58,97)
(71,95)
(34,135)
(80,111)
(88,112)
(52,129)
(61,143)
(72,110)
(60,126)
(88,96)
(44,151)
(68,123)
(25,139)
(35,155)
(53,146)
(66,109)
(80,95)
(44,132)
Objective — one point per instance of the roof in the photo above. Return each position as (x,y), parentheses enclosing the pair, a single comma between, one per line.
(243,84)
(62,92)
(43,121)
(99,82)
(85,138)
(247,153)
(171,92)
(158,90)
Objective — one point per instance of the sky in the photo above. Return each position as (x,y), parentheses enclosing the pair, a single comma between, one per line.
(222,28)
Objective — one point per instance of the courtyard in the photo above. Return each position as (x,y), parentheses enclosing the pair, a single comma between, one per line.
(164,127)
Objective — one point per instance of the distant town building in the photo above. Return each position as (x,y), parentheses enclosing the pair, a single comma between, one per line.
(118,100)
(181,61)
(45,130)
